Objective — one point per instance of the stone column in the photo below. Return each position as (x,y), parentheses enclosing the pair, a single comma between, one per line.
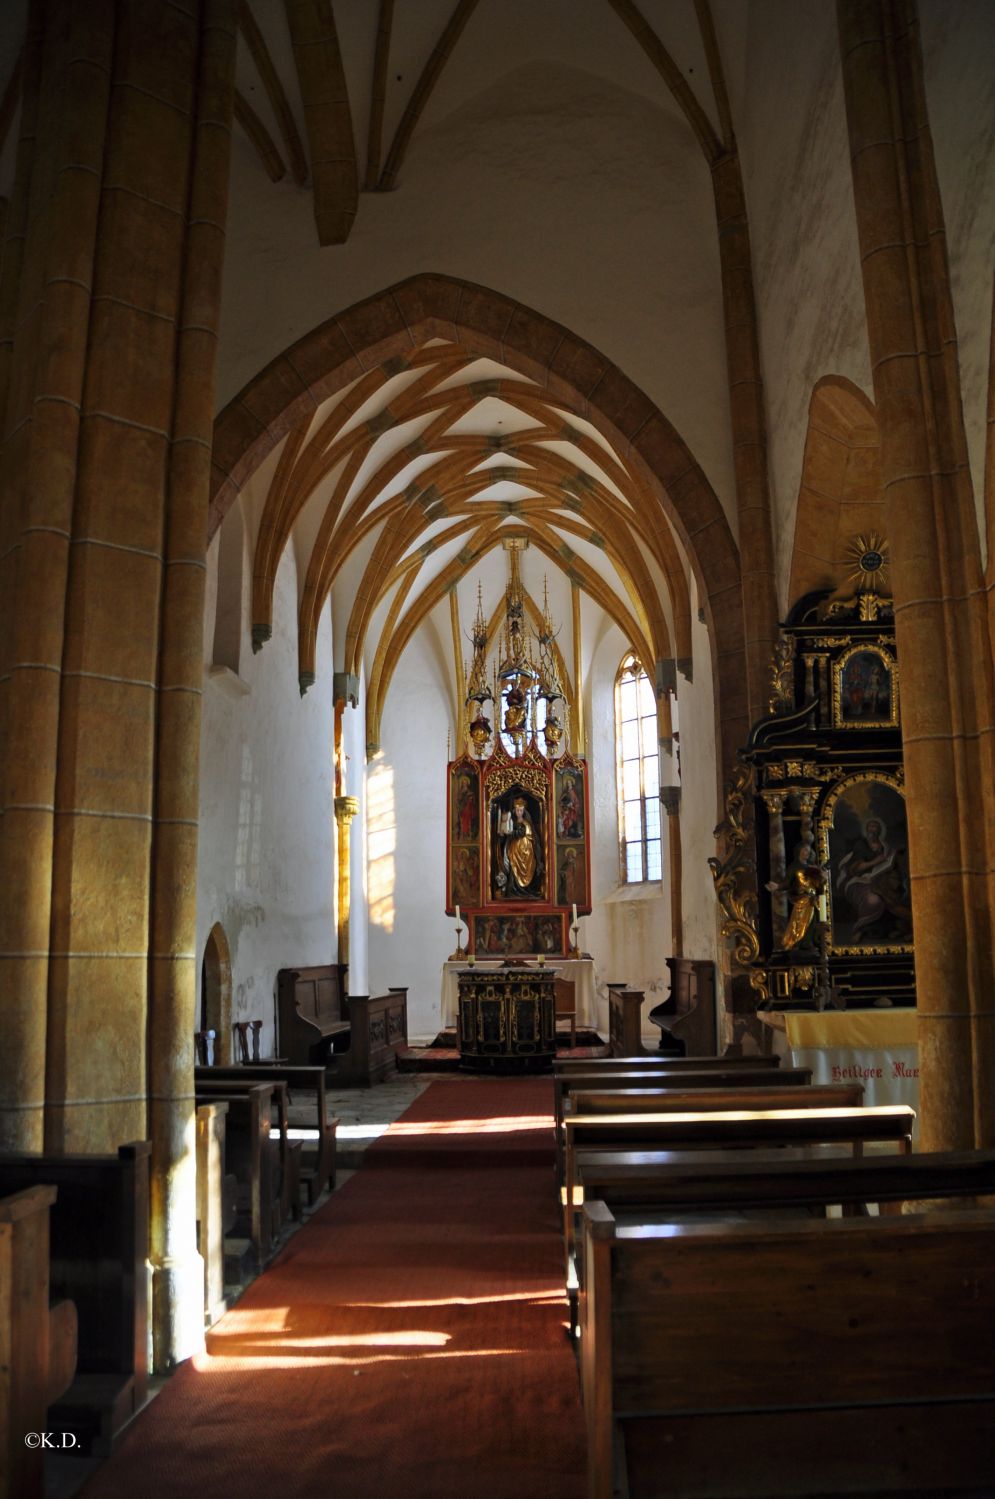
(346,808)
(941,626)
(577,734)
(670,801)
(774,802)
(45,311)
(177,1267)
(109,383)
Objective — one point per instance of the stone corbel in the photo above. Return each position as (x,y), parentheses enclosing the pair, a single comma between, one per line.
(666,675)
(345,689)
(670,800)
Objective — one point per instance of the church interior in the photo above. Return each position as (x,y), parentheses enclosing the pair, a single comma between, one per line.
(497,747)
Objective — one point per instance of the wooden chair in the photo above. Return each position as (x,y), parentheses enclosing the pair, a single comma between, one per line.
(203,1045)
(566,1005)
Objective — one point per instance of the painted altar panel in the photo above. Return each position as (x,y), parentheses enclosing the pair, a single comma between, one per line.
(500,936)
(463,844)
(865,688)
(517,850)
(864,845)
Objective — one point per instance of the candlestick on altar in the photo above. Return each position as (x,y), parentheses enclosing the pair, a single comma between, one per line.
(460,952)
(574,951)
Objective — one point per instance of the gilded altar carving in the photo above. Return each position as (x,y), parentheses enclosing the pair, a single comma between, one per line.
(734,875)
(782,680)
(815,893)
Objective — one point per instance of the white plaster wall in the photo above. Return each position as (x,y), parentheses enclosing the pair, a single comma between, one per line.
(806,261)
(794,147)
(410,935)
(628,932)
(266,850)
(544,181)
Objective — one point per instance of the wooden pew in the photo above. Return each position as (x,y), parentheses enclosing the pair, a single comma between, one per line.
(567,1084)
(639,1181)
(789,1357)
(38,1341)
(288,1181)
(216,1206)
(659,1063)
(654,1186)
(317,1158)
(625,1022)
(99,1251)
(703,1129)
(356,1037)
(253,1159)
(641,1100)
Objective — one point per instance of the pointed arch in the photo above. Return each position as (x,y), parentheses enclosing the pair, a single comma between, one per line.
(840,495)
(672,487)
(215,997)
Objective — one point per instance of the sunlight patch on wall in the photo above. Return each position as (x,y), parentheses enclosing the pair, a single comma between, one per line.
(381,841)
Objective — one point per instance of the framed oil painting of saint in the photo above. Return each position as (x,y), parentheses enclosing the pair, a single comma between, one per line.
(864,843)
(865,688)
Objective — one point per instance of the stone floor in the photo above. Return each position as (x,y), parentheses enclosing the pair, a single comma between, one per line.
(364,1114)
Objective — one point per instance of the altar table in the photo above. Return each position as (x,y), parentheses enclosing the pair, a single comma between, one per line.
(507,1018)
(577,971)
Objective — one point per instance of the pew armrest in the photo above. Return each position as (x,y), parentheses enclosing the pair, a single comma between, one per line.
(63,1348)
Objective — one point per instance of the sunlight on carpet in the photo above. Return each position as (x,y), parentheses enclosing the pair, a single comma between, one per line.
(412,1333)
(491,1126)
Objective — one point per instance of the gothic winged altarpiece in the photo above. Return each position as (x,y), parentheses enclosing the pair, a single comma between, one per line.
(518,822)
(814,878)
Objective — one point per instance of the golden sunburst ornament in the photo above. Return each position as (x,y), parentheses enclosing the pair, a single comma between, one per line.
(868,559)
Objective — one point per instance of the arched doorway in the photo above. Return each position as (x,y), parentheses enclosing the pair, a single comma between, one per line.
(215,993)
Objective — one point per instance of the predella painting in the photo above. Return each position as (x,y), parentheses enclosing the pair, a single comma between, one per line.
(517,934)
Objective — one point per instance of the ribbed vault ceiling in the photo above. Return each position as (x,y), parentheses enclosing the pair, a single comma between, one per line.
(404,485)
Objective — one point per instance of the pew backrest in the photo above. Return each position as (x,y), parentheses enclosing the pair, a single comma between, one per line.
(660,1063)
(99,1256)
(844,1338)
(748,1089)
(587,1134)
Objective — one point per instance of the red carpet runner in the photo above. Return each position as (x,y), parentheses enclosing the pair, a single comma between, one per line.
(407,1344)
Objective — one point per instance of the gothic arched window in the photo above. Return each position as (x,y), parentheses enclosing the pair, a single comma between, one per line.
(637,752)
